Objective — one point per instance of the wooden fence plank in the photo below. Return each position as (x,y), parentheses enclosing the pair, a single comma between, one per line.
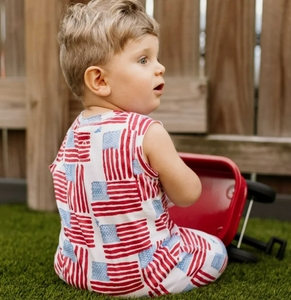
(14,44)
(281,184)
(183,105)
(229,66)
(274,109)
(12,103)
(47,99)
(16,154)
(252,154)
(179,36)
(12,95)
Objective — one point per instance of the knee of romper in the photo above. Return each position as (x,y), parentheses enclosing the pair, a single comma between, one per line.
(217,258)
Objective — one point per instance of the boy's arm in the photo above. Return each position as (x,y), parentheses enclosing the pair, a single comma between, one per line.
(179,182)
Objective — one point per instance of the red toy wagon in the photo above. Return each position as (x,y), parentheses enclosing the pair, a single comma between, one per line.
(221,204)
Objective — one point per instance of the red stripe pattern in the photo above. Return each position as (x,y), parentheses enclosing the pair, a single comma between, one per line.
(116,279)
(151,172)
(144,125)
(73,266)
(158,291)
(149,187)
(125,239)
(196,245)
(118,154)
(77,196)
(60,184)
(115,198)
(195,257)
(80,230)
(225,261)
(157,263)
(202,278)
(62,150)
(78,147)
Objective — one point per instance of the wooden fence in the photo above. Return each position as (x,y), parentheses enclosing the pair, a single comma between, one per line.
(212,114)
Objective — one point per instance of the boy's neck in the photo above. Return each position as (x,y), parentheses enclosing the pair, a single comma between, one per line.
(96,105)
(95,110)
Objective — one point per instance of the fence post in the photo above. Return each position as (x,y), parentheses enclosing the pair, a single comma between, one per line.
(230,42)
(274,107)
(47,98)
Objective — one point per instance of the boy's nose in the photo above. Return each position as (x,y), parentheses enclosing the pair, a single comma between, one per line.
(160,70)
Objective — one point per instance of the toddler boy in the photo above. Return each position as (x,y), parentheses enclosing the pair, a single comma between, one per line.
(117,169)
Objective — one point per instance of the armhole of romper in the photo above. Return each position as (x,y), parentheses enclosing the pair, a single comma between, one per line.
(51,167)
(140,154)
(62,147)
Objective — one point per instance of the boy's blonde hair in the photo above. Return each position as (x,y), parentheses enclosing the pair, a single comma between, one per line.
(91,34)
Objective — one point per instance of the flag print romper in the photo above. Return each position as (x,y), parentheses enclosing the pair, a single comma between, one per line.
(116,237)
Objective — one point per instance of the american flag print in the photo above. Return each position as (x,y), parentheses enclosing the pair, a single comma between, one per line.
(189,266)
(116,236)
(149,187)
(194,259)
(77,195)
(125,239)
(78,228)
(62,150)
(158,262)
(118,155)
(60,184)
(162,217)
(159,291)
(115,198)
(220,259)
(116,279)
(196,246)
(77,148)
(71,264)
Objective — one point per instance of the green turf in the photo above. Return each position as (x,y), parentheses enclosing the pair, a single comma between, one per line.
(28,241)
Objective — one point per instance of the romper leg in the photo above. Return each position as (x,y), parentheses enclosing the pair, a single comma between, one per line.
(209,256)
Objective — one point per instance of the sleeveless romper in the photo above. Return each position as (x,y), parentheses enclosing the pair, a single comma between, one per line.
(116,237)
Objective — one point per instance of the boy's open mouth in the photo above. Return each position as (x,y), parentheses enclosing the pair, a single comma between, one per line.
(159,87)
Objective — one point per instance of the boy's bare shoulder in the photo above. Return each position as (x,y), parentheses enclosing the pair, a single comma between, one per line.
(156,130)
(158,145)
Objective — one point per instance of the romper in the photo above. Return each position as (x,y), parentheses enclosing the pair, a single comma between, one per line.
(116,236)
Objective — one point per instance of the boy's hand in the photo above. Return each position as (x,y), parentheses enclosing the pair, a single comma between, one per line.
(179,182)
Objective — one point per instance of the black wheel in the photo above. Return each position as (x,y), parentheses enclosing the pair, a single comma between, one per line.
(239,255)
(260,192)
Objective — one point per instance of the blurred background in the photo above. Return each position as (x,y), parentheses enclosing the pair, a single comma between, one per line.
(228,90)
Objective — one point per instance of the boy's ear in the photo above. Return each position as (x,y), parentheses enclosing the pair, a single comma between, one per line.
(95,81)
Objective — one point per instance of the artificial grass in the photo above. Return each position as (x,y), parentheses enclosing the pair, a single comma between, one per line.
(28,241)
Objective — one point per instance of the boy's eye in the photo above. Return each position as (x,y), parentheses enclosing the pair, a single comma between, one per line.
(143,60)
